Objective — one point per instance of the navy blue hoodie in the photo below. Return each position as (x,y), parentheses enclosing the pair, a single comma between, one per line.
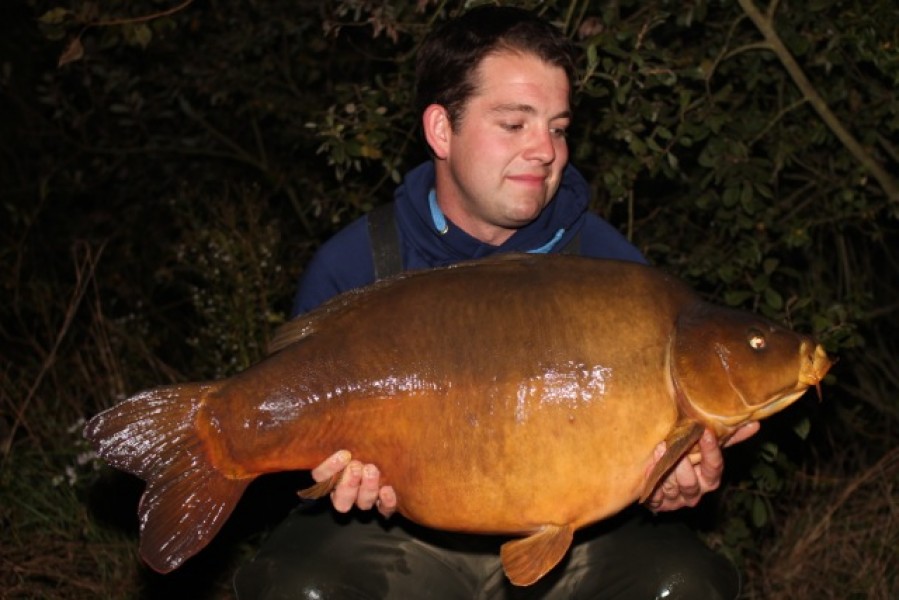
(345,261)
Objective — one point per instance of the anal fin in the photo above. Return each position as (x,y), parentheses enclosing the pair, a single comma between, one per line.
(528,559)
(679,441)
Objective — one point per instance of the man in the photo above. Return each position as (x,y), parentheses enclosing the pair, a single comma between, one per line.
(493,92)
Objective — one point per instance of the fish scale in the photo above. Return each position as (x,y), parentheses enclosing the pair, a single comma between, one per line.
(521,395)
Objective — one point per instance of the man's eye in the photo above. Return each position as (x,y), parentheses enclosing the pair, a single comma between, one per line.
(511,126)
(559,132)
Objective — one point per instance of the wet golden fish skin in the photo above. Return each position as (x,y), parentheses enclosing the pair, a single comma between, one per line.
(519,395)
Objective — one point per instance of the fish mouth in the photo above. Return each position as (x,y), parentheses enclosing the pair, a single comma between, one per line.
(777,404)
(815,367)
(811,371)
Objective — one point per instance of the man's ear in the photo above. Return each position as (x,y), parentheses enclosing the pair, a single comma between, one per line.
(435,122)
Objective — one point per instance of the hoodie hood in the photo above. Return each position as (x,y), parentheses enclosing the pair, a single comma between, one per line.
(425,244)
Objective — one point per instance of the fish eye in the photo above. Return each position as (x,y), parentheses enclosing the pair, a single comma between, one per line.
(756,339)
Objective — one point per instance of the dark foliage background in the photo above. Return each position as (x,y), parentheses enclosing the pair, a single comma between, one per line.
(162,189)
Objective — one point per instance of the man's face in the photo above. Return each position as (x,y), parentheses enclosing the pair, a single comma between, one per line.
(502,162)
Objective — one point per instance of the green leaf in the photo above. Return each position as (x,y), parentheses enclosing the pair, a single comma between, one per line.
(769,451)
(773,299)
(746,198)
(761,282)
(663,132)
(802,428)
(759,513)
(765,476)
(637,146)
(143,34)
(731,196)
(737,298)
(592,58)
(138,35)
(54,16)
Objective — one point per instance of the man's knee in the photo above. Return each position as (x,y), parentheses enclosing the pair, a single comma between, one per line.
(312,556)
(316,554)
(640,557)
(265,579)
(694,571)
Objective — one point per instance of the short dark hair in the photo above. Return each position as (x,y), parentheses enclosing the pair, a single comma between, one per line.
(448,59)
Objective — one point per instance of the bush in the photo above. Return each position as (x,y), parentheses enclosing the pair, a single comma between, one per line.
(161,192)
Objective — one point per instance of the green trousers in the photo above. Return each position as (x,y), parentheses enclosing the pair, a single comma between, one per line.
(317,554)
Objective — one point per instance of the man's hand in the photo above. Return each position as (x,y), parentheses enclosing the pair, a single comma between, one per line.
(359,485)
(687,482)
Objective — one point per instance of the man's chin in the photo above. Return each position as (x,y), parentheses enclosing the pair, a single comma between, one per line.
(524,215)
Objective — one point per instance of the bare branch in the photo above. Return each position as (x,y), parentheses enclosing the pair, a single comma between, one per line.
(766,26)
(74,50)
(144,18)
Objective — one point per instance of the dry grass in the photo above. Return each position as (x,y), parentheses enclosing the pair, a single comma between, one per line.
(68,525)
(841,542)
(49,567)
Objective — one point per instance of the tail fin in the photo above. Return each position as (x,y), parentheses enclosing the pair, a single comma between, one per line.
(186,501)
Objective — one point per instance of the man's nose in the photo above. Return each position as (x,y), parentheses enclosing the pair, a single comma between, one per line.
(541,146)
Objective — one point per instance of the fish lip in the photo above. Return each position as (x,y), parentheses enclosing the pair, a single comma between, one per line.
(759,411)
(776,405)
(811,372)
(815,368)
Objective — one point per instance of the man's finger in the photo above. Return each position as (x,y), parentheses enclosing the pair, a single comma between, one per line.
(386,501)
(688,484)
(712,464)
(332,465)
(368,487)
(344,495)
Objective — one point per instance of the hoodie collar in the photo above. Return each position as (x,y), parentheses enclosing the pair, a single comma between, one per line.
(441,241)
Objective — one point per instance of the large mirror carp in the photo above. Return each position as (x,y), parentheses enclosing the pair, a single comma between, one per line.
(495,383)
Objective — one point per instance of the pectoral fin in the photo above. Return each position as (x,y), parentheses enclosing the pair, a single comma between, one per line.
(528,559)
(320,489)
(679,441)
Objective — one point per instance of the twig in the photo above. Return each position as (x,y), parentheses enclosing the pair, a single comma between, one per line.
(240,153)
(84,274)
(885,464)
(74,50)
(765,25)
(143,19)
(781,114)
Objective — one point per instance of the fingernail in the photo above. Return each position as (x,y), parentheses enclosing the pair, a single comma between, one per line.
(369,472)
(660,451)
(342,457)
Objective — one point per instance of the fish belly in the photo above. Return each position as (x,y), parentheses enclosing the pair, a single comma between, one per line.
(489,403)
(466,457)
(559,465)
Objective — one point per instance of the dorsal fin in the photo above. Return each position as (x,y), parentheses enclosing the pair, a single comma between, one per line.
(305,325)
(292,331)
(528,559)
